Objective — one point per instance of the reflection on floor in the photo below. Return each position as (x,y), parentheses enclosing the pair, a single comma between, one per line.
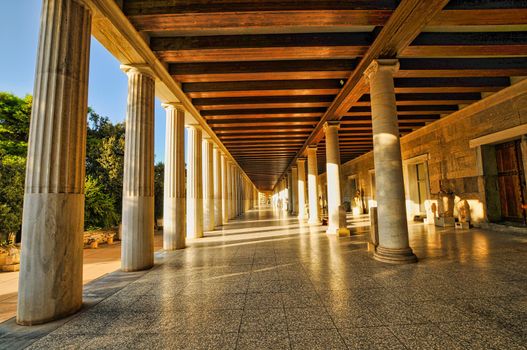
(265,281)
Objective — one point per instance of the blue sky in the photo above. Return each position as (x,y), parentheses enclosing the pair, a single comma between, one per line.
(19,25)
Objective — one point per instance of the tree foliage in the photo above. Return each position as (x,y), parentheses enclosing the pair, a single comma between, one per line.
(15,114)
(104,170)
(104,167)
(159,177)
(99,209)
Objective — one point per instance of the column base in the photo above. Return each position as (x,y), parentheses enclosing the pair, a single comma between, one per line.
(338,231)
(395,255)
(313,221)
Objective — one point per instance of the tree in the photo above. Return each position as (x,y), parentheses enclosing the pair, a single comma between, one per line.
(15,114)
(159,180)
(99,209)
(105,163)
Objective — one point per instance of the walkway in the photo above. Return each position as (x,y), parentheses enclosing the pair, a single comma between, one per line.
(97,263)
(266,282)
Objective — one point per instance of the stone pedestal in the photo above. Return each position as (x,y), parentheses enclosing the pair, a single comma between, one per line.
(301,164)
(336,226)
(174,202)
(312,186)
(194,183)
(218,188)
(137,249)
(208,186)
(391,207)
(50,283)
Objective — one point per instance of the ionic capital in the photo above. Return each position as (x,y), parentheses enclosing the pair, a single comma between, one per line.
(173,106)
(140,68)
(331,124)
(389,65)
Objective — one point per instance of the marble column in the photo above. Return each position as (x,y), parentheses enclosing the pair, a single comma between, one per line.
(218,188)
(230,193)
(312,186)
(294,190)
(225,190)
(50,280)
(301,164)
(208,185)
(137,248)
(194,183)
(389,186)
(174,201)
(336,224)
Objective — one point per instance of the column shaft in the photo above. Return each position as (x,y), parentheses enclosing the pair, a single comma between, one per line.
(336,224)
(301,164)
(50,283)
(194,184)
(294,190)
(218,188)
(389,185)
(312,189)
(208,186)
(225,190)
(137,249)
(174,201)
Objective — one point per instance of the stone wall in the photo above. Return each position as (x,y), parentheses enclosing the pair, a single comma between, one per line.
(452,163)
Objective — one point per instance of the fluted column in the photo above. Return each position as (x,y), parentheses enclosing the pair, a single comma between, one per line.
(218,188)
(137,249)
(230,194)
(174,202)
(389,186)
(208,186)
(50,282)
(194,183)
(312,186)
(225,190)
(336,224)
(301,164)
(294,190)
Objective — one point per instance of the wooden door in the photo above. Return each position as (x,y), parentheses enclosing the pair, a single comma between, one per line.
(511,181)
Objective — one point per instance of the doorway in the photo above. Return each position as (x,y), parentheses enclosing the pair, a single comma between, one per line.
(511,181)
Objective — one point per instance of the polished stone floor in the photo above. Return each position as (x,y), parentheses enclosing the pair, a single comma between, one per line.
(265,281)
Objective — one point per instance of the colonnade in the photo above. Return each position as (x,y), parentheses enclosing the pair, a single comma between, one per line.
(289,194)
(50,283)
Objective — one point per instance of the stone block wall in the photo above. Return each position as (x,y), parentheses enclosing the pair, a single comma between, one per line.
(452,163)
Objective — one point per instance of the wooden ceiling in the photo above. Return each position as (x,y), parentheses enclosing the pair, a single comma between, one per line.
(267,74)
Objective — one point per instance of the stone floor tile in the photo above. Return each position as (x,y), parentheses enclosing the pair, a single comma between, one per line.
(263,300)
(371,338)
(62,341)
(323,339)
(301,299)
(424,336)
(299,319)
(263,320)
(263,340)
(483,335)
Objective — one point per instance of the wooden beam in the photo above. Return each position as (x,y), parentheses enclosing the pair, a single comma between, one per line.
(245,22)
(404,25)
(261,47)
